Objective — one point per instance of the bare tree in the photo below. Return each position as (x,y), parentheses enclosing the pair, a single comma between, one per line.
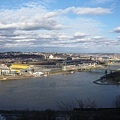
(66,106)
(90,104)
(80,103)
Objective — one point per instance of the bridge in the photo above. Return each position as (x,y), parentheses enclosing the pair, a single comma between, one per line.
(90,67)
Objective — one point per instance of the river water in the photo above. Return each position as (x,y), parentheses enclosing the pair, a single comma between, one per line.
(49,92)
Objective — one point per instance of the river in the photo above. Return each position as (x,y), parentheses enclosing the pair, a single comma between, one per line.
(48,92)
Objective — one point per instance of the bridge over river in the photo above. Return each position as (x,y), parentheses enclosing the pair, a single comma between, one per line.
(112,68)
(109,68)
(92,67)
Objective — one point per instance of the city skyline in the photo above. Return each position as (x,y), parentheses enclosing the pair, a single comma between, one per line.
(78,26)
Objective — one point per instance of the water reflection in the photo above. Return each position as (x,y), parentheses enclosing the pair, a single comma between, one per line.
(45,92)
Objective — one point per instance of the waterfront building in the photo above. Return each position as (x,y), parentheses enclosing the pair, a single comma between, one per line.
(18,68)
(4,69)
(69,67)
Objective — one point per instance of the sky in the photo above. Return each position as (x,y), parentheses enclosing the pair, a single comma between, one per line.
(74,26)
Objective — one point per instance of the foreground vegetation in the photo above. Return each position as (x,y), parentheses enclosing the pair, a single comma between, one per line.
(81,114)
(80,110)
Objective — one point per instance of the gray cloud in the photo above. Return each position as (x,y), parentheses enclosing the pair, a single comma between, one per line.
(118,37)
(80,35)
(117,30)
(33,24)
(29,18)
(103,41)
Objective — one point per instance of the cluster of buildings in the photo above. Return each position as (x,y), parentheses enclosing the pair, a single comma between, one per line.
(14,69)
(38,64)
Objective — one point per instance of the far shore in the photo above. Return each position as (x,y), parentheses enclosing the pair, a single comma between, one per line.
(102,81)
(11,77)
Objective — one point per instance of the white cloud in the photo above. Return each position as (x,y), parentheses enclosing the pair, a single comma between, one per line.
(81,27)
(18,45)
(98,37)
(88,10)
(100,1)
(34,26)
(63,36)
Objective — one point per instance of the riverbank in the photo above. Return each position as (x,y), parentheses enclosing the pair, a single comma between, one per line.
(109,79)
(16,77)
(103,82)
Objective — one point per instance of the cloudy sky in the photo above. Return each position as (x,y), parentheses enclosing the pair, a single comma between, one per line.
(78,26)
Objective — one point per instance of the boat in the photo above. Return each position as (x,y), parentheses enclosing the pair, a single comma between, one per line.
(71,72)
